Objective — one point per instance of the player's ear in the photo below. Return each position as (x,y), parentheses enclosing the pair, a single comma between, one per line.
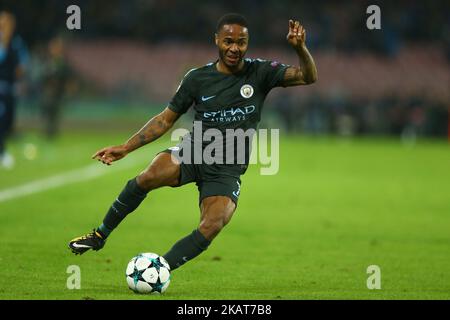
(216,39)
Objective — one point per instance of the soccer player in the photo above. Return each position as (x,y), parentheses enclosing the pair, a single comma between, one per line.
(230,86)
(13,59)
(55,80)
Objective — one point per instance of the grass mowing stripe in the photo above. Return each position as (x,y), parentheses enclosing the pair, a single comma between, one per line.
(83,174)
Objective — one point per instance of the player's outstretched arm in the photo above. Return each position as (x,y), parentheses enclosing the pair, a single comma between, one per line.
(306,73)
(152,130)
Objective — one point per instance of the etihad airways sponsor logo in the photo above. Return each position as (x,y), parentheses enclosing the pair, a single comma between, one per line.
(230,114)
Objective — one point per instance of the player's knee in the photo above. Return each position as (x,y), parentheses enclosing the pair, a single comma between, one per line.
(148,180)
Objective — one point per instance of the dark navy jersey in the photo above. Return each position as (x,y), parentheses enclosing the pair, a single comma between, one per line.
(10,58)
(228,101)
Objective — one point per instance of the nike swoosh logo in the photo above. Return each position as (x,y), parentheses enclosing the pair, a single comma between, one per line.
(207,98)
(76,245)
(117,199)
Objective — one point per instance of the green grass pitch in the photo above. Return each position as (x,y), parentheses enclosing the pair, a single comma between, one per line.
(310,232)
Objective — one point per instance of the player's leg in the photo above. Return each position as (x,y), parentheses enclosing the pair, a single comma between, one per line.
(163,171)
(50,113)
(216,212)
(6,125)
(3,124)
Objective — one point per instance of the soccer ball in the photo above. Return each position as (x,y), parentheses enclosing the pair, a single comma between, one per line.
(148,273)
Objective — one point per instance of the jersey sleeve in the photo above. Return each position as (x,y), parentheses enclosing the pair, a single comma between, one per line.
(184,96)
(271,74)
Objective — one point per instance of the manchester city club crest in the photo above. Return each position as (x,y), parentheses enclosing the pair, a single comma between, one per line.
(247,91)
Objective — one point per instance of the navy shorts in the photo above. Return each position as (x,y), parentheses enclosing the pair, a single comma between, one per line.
(212,179)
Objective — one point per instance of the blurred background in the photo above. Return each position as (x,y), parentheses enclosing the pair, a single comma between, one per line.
(129,56)
(364,151)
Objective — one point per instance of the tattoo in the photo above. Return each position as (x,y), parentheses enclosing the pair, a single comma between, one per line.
(306,74)
(151,131)
(142,139)
(293,76)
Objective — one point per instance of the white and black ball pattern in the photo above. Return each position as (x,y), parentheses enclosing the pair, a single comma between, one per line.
(148,273)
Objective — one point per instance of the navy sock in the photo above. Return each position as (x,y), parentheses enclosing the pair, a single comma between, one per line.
(186,249)
(128,200)
(104,231)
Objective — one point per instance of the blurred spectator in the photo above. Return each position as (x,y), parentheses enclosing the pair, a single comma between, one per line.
(54,83)
(13,58)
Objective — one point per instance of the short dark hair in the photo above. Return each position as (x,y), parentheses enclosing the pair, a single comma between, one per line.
(231,18)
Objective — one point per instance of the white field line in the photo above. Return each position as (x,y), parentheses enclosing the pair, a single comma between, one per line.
(78,175)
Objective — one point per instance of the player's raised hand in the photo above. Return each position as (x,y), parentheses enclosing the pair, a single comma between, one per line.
(296,35)
(110,154)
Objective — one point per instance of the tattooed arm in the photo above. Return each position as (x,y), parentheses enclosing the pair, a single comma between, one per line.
(306,73)
(151,131)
